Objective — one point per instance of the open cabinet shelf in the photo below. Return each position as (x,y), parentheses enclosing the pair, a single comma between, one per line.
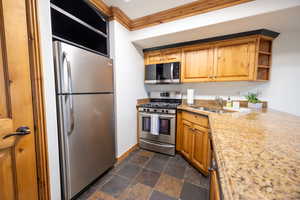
(265,45)
(263,74)
(265,52)
(85,29)
(264,60)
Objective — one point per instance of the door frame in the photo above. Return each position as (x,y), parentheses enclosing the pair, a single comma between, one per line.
(36,69)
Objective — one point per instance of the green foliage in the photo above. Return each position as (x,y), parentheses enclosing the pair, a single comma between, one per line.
(252,98)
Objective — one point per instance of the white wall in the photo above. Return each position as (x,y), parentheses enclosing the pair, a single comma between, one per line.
(49,97)
(194,24)
(129,85)
(282,91)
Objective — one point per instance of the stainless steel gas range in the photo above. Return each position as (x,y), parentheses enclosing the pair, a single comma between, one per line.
(157,123)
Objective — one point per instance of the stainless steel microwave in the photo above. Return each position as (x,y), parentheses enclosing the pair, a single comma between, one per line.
(165,73)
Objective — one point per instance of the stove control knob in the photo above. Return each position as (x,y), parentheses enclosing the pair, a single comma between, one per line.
(163,111)
(167,111)
(154,110)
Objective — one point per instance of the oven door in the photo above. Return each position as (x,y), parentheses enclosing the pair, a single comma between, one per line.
(166,128)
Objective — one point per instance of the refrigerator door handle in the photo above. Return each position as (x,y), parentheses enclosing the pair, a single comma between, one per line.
(64,72)
(72,120)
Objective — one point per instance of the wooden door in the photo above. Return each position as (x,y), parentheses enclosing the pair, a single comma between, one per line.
(187,137)
(235,60)
(154,57)
(18,177)
(197,63)
(200,152)
(171,55)
(214,191)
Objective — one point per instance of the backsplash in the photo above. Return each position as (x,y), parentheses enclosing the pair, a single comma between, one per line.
(236,90)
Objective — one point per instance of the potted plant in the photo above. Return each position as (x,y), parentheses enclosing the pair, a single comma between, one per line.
(253,101)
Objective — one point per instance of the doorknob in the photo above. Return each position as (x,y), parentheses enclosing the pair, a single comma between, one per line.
(21,131)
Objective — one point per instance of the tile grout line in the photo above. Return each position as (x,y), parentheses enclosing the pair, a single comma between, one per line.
(153,188)
(142,167)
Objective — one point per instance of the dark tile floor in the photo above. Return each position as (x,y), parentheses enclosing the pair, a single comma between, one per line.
(146,175)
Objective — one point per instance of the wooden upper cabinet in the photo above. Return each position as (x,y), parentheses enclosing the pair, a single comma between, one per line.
(234,60)
(197,63)
(154,57)
(239,59)
(171,55)
(163,56)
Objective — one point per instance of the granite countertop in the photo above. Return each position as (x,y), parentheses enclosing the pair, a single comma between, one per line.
(258,153)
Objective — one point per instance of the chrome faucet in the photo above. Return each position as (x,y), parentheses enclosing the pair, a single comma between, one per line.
(219,102)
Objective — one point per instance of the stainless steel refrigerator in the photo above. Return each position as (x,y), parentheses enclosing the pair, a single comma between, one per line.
(85,98)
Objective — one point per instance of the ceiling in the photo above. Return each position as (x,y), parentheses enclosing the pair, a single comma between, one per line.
(280,21)
(139,8)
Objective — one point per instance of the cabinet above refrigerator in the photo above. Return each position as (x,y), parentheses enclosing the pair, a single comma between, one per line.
(80,24)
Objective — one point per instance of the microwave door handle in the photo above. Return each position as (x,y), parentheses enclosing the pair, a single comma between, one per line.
(172,72)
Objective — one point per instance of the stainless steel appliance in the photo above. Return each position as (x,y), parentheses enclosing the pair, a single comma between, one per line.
(166,73)
(85,96)
(160,113)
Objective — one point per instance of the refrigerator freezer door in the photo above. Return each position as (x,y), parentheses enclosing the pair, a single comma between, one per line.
(80,71)
(87,149)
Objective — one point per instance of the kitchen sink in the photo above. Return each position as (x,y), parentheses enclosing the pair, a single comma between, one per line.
(214,110)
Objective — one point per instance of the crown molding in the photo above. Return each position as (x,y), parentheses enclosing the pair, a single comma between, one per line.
(180,12)
(100,5)
(120,16)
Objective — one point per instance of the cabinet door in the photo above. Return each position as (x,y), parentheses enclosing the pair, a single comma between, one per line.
(179,131)
(200,146)
(197,63)
(187,137)
(154,57)
(214,193)
(234,60)
(171,55)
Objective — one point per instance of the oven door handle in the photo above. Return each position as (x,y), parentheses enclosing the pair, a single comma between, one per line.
(164,117)
(163,145)
(167,116)
(145,115)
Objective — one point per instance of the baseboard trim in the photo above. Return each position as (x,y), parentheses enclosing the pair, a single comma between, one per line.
(126,154)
